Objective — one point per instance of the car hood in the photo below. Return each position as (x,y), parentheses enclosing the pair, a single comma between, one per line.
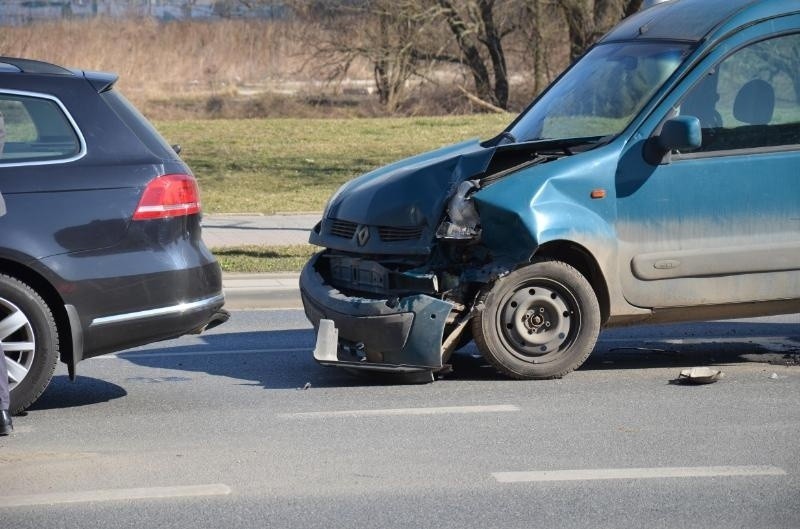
(411,192)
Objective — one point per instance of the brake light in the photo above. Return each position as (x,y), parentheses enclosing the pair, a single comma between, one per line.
(171,195)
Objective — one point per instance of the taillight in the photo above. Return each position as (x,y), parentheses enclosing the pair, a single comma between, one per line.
(171,195)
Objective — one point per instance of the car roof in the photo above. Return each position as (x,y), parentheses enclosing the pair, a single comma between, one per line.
(18,65)
(101,81)
(694,20)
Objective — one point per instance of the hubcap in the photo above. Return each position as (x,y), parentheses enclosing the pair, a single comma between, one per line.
(537,320)
(19,344)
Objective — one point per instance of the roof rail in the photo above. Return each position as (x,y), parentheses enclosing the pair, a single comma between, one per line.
(31,66)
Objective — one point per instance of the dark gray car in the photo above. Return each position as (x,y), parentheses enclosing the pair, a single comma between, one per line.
(100,248)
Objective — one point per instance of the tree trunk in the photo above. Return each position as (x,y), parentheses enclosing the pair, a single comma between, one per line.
(494,44)
(539,65)
(380,64)
(472,57)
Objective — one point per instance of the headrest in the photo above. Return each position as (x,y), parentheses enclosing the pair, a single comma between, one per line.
(755,103)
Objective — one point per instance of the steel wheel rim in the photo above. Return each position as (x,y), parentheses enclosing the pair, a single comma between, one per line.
(18,340)
(538,320)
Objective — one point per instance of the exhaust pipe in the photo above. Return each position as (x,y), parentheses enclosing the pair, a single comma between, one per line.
(217,319)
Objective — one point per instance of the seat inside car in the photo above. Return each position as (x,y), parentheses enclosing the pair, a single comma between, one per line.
(755,103)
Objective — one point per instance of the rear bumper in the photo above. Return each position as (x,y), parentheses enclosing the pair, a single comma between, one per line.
(215,301)
(141,328)
(403,335)
(122,331)
(115,301)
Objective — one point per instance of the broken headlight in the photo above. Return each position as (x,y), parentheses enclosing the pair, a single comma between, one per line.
(463,221)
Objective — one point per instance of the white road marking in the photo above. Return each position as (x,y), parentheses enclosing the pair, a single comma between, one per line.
(655,340)
(499,408)
(635,473)
(156,353)
(145,493)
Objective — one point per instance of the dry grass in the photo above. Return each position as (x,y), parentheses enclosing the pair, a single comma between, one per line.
(237,68)
(165,59)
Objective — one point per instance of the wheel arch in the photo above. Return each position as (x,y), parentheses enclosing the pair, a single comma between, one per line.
(584,262)
(50,295)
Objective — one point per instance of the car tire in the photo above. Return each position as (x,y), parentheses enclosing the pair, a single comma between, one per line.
(538,322)
(30,341)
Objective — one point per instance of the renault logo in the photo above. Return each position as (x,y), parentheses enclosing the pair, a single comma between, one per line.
(362,235)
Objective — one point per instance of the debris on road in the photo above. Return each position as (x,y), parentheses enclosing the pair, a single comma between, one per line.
(700,375)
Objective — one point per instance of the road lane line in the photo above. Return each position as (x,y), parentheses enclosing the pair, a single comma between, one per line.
(145,354)
(635,473)
(499,408)
(145,493)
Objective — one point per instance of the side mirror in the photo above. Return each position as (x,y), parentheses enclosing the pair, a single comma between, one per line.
(682,133)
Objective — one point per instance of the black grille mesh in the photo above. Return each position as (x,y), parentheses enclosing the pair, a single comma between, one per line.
(346,230)
(399,234)
(342,228)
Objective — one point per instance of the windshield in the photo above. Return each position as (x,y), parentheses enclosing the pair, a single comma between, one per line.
(602,93)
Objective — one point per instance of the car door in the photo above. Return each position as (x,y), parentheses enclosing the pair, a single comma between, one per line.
(721,224)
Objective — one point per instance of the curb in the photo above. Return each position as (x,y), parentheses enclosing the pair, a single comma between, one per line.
(261,291)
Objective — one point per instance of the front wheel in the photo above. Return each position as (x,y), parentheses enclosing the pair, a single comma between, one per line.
(540,321)
(29,340)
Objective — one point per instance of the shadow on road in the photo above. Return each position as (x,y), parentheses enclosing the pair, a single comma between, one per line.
(282,359)
(61,393)
(271,359)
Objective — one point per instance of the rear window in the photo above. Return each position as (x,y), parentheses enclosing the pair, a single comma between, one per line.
(139,125)
(35,129)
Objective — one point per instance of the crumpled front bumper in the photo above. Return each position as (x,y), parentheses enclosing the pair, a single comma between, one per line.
(400,335)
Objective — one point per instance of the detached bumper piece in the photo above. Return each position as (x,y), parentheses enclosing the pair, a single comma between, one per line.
(326,352)
(400,335)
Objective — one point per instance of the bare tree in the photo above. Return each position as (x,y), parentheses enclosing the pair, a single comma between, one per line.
(403,40)
(476,29)
(386,33)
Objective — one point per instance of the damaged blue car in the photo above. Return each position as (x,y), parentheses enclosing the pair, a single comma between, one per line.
(656,180)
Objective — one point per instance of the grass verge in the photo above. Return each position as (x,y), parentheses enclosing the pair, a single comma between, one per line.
(260,259)
(294,165)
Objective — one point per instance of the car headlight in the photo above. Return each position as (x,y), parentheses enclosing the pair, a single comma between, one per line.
(463,221)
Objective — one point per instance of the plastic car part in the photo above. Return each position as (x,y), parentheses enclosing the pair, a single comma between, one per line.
(171,195)
(464,220)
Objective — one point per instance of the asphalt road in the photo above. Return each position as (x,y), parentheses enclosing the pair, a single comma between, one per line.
(215,431)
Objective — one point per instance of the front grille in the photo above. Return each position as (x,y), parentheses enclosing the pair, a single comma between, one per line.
(390,234)
(342,228)
(346,230)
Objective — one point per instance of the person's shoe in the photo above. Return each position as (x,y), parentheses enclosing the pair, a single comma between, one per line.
(6,425)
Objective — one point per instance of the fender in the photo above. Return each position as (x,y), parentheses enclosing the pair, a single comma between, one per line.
(552,203)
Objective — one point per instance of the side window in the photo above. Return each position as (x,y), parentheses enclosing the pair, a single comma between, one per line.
(34,129)
(751,100)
